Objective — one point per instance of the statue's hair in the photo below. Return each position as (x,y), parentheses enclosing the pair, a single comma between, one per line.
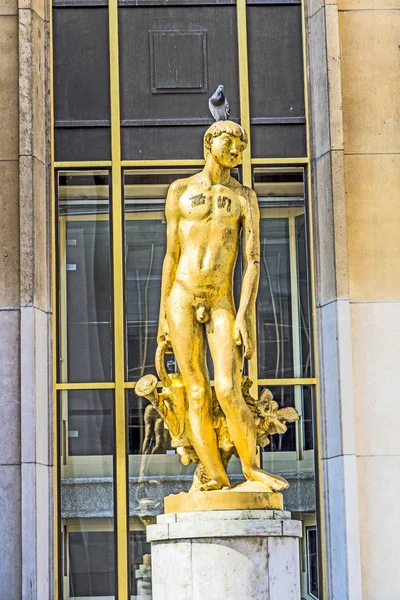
(220,127)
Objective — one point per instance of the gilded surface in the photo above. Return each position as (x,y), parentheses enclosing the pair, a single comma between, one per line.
(207,214)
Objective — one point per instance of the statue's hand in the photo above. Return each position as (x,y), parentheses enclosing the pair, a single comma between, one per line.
(243,333)
(163,335)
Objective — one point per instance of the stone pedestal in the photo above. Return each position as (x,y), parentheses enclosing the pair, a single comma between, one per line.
(225,555)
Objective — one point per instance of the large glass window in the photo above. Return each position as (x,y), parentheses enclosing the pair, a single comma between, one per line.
(131,109)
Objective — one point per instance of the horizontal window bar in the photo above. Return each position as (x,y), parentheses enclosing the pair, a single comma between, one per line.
(85,386)
(82,123)
(82,164)
(175,122)
(278,121)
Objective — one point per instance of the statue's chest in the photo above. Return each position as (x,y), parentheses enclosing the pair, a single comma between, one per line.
(202,205)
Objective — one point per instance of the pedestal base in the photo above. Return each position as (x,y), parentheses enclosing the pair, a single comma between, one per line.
(249,495)
(225,555)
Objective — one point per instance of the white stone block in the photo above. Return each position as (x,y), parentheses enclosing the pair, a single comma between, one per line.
(169,518)
(232,568)
(219,528)
(172,570)
(284,568)
(291,528)
(235,515)
(231,558)
(157,532)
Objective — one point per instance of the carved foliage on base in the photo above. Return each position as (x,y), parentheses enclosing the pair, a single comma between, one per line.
(171,406)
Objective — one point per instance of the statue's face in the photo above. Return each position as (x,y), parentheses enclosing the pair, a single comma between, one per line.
(227,150)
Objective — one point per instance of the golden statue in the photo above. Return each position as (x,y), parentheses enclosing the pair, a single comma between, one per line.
(206,215)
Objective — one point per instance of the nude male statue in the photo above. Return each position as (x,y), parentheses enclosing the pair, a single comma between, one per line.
(206,214)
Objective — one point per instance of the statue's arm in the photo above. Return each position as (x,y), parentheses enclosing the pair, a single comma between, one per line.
(172,255)
(244,326)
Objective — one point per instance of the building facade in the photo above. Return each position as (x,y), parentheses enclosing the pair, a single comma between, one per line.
(102,106)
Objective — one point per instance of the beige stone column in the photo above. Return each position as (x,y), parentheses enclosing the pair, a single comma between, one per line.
(25,372)
(336,399)
(35,280)
(369,38)
(10,421)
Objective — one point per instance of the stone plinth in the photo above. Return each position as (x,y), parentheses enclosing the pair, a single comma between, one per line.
(225,555)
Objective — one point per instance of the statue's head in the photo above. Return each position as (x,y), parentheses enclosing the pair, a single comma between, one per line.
(225,141)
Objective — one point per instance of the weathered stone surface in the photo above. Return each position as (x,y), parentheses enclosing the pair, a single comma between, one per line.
(8,7)
(370,80)
(283,568)
(8,87)
(25,83)
(40,101)
(10,532)
(9,235)
(319,104)
(379,526)
(10,422)
(376,326)
(237,558)
(373,214)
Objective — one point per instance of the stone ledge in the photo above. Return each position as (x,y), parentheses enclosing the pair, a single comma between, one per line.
(212,524)
(216,515)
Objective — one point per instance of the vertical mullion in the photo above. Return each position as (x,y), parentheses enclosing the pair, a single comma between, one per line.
(294,292)
(119,350)
(246,162)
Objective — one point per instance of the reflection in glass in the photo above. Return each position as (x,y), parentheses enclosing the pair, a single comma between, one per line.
(312,562)
(299,435)
(283,300)
(85,342)
(91,564)
(140,561)
(274,308)
(87,493)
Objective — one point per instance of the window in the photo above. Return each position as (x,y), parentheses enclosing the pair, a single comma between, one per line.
(125,127)
(312,562)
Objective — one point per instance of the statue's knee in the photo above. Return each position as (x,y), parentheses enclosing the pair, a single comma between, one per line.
(197,397)
(224,391)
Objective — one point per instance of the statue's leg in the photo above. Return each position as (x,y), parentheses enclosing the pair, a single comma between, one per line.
(188,341)
(228,364)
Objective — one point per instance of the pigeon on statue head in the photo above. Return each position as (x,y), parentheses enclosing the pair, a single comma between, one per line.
(219,105)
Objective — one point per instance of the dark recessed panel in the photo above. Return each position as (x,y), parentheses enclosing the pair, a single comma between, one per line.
(171,71)
(278,141)
(173,58)
(81,64)
(275,61)
(162,142)
(86,143)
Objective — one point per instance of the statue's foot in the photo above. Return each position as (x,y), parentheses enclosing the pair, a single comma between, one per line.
(213,484)
(273,483)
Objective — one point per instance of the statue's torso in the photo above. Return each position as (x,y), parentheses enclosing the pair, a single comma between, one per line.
(209,232)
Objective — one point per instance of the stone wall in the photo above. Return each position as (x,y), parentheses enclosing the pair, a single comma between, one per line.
(26,499)
(336,399)
(369,39)
(10,422)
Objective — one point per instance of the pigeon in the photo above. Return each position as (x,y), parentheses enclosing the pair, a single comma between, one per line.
(219,105)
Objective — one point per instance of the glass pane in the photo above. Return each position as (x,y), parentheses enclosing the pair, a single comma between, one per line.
(91,564)
(87,493)
(312,562)
(283,315)
(140,561)
(85,307)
